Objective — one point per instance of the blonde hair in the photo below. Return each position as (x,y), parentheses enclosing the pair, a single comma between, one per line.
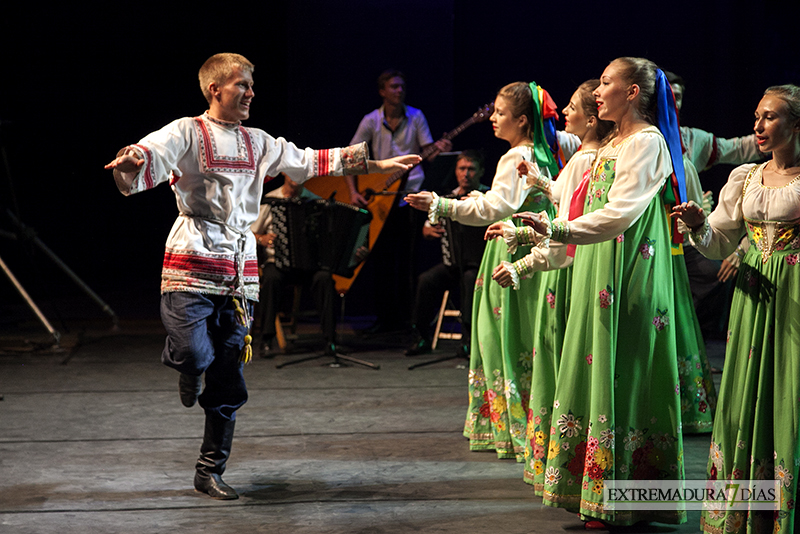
(789,94)
(641,72)
(218,68)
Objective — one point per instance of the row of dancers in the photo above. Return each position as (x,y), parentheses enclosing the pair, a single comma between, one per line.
(593,367)
(576,371)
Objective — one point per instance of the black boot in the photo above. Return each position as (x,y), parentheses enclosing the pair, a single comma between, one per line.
(214,453)
(189,388)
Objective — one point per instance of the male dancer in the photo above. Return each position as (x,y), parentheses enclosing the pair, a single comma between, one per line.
(216,167)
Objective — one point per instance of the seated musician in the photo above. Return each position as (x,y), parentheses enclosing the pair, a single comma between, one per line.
(457,271)
(274,279)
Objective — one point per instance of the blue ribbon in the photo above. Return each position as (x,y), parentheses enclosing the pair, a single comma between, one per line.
(667,123)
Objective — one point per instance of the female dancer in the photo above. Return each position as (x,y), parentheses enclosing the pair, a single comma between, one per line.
(501,352)
(616,408)
(756,428)
(581,120)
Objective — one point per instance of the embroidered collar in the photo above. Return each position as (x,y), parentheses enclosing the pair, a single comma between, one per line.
(220,122)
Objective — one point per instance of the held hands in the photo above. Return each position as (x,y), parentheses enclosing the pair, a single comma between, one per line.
(392,165)
(502,276)
(421,201)
(494,231)
(690,213)
(533,220)
(126,163)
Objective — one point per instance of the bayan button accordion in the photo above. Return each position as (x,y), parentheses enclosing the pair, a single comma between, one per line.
(318,234)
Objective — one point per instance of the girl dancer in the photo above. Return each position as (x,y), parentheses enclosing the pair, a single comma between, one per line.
(502,334)
(616,408)
(581,120)
(755,433)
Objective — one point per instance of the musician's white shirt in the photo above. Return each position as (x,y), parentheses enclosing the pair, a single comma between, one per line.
(217,170)
(263,224)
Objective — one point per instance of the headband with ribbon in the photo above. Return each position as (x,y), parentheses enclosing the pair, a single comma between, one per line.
(667,123)
(545,142)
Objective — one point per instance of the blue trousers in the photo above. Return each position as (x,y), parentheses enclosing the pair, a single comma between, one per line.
(203,336)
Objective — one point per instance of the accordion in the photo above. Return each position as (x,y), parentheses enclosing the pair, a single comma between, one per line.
(462,246)
(318,234)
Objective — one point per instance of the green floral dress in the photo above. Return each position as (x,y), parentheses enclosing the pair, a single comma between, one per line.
(616,409)
(502,325)
(554,276)
(698,394)
(755,434)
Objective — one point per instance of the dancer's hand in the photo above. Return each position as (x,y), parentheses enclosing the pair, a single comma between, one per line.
(421,201)
(125,163)
(726,271)
(502,276)
(690,213)
(533,220)
(392,165)
(493,231)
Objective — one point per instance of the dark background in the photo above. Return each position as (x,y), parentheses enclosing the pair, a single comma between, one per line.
(79,83)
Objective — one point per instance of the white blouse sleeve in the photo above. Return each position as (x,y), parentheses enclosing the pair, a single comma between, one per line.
(555,256)
(569,143)
(161,151)
(506,195)
(302,164)
(643,165)
(694,190)
(726,222)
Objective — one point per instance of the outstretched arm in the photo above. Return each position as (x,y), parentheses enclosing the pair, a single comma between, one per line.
(126,163)
(421,201)
(391,165)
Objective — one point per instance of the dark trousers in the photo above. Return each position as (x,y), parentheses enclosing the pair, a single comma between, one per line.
(272,282)
(431,286)
(203,336)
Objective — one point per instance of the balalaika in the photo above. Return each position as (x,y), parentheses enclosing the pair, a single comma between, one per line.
(316,234)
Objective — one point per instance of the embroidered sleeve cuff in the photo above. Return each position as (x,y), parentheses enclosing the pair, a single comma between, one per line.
(512,270)
(537,180)
(128,182)
(440,208)
(701,237)
(517,235)
(354,158)
(559,230)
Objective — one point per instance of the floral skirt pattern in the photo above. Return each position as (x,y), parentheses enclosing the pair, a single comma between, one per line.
(500,358)
(616,408)
(756,426)
(698,395)
(551,319)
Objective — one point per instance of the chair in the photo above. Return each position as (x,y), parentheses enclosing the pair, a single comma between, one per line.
(444,313)
(288,319)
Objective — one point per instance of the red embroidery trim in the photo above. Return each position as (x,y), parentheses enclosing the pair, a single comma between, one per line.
(149,182)
(209,266)
(322,162)
(214,163)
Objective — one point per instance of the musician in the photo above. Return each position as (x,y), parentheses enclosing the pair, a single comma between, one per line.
(395,129)
(453,272)
(274,279)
